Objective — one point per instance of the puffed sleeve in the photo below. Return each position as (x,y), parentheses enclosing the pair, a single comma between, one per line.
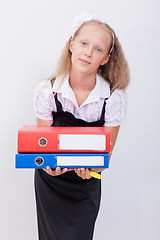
(43,100)
(116,107)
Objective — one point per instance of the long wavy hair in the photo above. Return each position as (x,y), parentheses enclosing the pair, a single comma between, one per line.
(115,71)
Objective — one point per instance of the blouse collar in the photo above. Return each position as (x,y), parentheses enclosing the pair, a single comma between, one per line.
(101,90)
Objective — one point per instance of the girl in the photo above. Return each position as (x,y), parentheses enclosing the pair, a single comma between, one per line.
(87,90)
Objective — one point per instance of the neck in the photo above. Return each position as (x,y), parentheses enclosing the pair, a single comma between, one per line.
(82,81)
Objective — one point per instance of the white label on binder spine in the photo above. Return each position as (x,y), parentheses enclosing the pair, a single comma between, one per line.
(80,161)
(82,142)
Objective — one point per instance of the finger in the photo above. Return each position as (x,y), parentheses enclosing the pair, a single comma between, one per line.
(64,170)
(58,171)
(78,171)
(49,171)
(70,169)
(83,173)
(88,176)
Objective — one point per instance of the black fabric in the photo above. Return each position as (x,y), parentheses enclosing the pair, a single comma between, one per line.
(61,118)
(67,205)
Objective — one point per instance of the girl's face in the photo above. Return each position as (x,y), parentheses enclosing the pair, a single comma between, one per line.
(90,49)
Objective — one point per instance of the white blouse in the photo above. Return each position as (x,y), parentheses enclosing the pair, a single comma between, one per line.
(91,108)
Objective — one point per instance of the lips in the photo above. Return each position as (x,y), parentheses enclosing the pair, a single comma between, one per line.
(84,61)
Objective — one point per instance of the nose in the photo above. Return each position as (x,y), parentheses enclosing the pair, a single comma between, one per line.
(89,52)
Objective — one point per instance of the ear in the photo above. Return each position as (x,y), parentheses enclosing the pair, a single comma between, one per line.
(105,60)
(71,45)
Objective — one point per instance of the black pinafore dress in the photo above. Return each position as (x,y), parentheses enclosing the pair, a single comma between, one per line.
(67,205)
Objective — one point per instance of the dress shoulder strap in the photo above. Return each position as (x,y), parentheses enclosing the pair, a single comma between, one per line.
(58,103)
(103,109)
(104,104)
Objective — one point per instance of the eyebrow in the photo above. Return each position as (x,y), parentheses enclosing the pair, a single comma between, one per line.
(87,40)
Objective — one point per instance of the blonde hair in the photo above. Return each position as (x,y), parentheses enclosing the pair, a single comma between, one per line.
(115,71)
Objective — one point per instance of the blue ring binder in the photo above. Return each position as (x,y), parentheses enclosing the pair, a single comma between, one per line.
(67,160)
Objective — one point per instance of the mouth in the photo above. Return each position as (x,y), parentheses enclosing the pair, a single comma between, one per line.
(84,61)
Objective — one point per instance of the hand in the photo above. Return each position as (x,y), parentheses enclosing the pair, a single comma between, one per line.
(83,173)
(98,170)
(58,171)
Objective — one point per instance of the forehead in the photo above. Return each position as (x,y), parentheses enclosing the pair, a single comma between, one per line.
(94,30)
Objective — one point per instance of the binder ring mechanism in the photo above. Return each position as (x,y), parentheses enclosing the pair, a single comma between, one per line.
(42,142)
(39,161)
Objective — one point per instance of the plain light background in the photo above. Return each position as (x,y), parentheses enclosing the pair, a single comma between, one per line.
(32,36)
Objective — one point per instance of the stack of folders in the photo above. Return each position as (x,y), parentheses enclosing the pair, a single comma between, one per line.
(65,147)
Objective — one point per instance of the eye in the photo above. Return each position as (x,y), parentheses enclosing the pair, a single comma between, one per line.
(83,43)
(98,50)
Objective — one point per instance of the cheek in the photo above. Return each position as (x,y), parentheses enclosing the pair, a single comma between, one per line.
(74,56)
(76,53)
(98,60)
(103,60)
